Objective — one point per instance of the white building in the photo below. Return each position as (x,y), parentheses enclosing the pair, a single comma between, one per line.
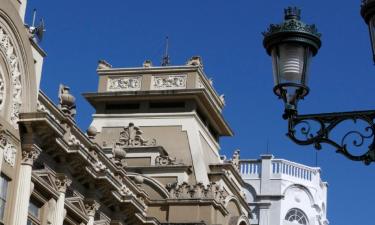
(281,192)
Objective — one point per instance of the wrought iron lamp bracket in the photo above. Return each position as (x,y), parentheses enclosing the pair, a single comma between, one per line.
(300,131)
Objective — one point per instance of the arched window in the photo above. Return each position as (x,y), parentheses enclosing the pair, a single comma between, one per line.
(296,216)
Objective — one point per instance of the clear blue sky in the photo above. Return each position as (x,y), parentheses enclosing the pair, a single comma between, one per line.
(227,34)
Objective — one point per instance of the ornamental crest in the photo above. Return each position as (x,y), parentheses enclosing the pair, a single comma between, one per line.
(168,82)
(131,136)
(124,84)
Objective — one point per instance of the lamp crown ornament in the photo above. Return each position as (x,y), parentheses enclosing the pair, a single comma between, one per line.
(292,13)
(292,29)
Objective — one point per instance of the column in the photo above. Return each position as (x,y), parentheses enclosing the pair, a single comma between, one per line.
(58,215)
(24,187)
(91,207)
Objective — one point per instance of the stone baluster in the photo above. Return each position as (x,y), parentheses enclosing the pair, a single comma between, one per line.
(91,207)
(24,187)
(58,215)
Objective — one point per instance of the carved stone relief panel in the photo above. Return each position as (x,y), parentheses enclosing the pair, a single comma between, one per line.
(165,82)
(124,84)
(2,91)
(9,150)
(10,154)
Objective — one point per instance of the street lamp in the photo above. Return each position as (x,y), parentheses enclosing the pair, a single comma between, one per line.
(368,14)
(292,44)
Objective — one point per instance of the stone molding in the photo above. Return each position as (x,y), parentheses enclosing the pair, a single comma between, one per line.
(132,83)
(9,50)
(166,82)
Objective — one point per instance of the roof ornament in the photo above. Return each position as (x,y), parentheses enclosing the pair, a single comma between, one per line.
(67,101)
(236,159)
(103,65)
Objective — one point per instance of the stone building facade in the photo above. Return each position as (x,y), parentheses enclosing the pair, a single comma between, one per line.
(150,155)
(281,192)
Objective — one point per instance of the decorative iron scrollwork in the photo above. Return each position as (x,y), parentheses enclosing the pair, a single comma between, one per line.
(318,129)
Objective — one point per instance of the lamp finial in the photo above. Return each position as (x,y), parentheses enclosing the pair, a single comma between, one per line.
(292,13)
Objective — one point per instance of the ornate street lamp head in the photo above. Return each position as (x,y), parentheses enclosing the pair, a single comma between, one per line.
(291,45)
(368,14)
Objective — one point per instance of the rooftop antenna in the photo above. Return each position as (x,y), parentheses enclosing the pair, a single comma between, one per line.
(165,61)
(34,16)
(38,31)
(268,146)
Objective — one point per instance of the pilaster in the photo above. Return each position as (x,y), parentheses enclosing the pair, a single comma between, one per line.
(30,153)
(61,182)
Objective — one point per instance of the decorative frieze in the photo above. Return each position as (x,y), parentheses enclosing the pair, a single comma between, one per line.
(9,51)
(165,82)
(124,84)
(198,191)
(165,161)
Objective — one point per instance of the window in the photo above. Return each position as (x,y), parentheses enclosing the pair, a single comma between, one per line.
(3,195)
(296,216)
(34,214)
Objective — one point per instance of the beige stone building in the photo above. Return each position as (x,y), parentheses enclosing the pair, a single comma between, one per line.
(150,155)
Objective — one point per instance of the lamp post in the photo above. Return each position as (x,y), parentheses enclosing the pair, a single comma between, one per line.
(292,45)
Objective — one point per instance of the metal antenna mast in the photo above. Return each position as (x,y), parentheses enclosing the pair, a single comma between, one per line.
(34,16)
(165,61)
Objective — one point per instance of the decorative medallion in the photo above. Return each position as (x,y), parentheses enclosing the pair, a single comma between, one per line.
(7,47)
(164,82)
(124,84)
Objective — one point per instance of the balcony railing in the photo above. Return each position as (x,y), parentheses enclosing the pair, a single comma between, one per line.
(279,169)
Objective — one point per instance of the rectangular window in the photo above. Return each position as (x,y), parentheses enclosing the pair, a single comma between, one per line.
(34,214)
(3,195)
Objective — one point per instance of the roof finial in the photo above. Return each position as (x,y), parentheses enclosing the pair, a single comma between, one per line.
(166,61)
